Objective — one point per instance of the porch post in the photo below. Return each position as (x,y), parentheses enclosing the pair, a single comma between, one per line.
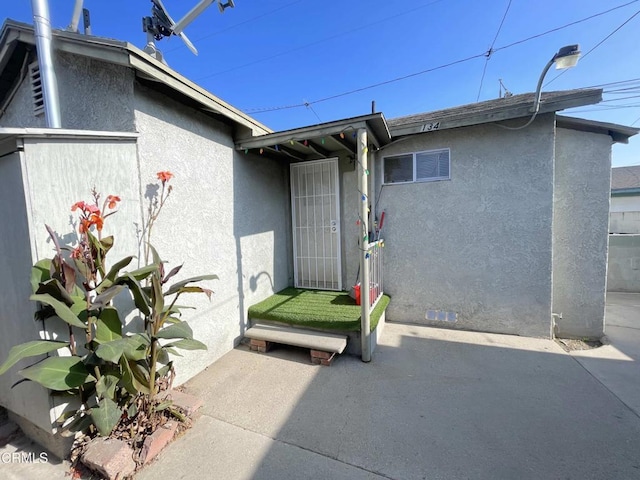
(363,184)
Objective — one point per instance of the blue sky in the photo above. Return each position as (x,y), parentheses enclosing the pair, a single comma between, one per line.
(267,54)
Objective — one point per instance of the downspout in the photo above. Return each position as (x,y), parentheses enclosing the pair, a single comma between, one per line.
(42,31)
(365,321)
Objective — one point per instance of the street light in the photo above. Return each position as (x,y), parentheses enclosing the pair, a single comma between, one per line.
(567,57)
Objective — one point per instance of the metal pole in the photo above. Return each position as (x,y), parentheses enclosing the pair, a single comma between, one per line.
(75,17)
(42,31)
(365,323)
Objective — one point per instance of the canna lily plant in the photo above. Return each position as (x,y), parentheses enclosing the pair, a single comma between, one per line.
(116,376)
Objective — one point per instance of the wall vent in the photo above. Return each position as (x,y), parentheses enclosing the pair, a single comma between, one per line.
(36,89)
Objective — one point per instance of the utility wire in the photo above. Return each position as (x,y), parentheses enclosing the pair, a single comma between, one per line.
(490,51)
(397,79)
(317,42)
(231,27)
(598,44)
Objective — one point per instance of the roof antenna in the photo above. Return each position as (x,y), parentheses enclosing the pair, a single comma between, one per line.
(507,93)
(160,24)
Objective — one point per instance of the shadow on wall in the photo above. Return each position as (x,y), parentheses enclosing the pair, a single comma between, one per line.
(261,228)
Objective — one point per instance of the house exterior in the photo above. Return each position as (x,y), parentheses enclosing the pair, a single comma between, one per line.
(623,274)
(485,228)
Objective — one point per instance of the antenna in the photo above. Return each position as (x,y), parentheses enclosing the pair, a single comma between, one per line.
(160,24)
(507,93)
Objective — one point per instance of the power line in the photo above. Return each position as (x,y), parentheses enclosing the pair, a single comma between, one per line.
(317,42)
(429,70)
(598,44)
(490,51)
(231,27)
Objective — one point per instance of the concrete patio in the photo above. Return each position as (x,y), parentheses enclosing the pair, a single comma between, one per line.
(433,404)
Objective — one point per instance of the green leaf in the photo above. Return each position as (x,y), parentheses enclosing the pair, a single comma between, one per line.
(196,289)
(135,347)
(103,285)
(164,370)
(79,424)
(61,309)
(30,349)
(59,373)
(158,298)
(140,299)
(163,406)
(79,306)
(177,286)
(106,386)
(107,243)
(111,351)
(115,269)
(40,272)
(105,297)
(106,416)
(129,381)
(188,344)
(177,330)
(108,326)
(54,288)
(144,272)
(163,356)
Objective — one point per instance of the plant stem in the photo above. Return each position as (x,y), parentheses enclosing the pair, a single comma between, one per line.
(152,368)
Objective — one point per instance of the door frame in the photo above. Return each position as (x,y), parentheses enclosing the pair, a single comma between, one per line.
(336,162)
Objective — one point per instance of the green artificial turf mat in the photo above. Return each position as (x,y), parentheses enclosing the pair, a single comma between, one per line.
(316,309)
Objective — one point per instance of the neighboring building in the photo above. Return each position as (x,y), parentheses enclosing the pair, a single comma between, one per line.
(625,200)
(486,228)
(623,274)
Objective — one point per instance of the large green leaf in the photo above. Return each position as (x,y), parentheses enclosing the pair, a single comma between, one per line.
(177,286)
(60,308)
(59,373)
(54,288)
(106,386)
(144,272)
(111,351)
(188,344)
(30,349)
(40,272)
(135,346)
(177,330)
(129,380)
(115,269)
(195,289)
(158,298)
(108,326)
(140,299)
(105,297)
(106,416)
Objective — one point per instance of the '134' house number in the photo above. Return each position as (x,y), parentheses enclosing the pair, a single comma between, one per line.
(428,127)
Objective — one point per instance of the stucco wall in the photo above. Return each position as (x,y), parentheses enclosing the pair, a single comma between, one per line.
(629,203)
(55,173)
(228,214)
(16,312)
(580,232)
(478,245)
(623,273)
(94,95)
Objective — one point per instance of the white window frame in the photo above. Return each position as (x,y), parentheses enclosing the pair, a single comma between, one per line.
(414,156)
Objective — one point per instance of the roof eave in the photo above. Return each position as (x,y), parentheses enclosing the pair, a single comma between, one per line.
(498,114)
(127,55)
(618,133)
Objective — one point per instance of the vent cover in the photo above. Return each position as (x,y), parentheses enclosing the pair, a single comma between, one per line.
(36,89)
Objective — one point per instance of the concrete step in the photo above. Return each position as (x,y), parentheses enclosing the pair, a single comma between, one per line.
(298,337)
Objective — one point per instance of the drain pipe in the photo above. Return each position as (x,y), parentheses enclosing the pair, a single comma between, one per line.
(42,31)
(365,321)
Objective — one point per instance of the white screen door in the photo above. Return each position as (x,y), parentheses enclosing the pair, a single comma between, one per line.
(315,198)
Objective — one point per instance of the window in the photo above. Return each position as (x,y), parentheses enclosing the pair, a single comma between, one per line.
(417,167)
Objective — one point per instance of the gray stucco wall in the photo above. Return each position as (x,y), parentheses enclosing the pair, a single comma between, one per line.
(580,232)
(623,272)
(16,312)
(94,95)
(478,245)
(228,214)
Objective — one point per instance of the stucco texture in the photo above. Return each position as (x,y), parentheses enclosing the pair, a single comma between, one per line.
(480,244)
(623,269)
(93,95)
(580,232)
(228,214)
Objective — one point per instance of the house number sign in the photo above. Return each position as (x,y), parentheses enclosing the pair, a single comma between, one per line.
(428,127)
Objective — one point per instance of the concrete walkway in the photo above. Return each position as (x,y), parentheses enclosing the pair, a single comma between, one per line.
(433,404)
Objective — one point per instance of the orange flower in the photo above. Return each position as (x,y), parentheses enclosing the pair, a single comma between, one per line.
(113,201)
(97,220)
(77,253)
(78,205)
(85,225)
(164,176)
